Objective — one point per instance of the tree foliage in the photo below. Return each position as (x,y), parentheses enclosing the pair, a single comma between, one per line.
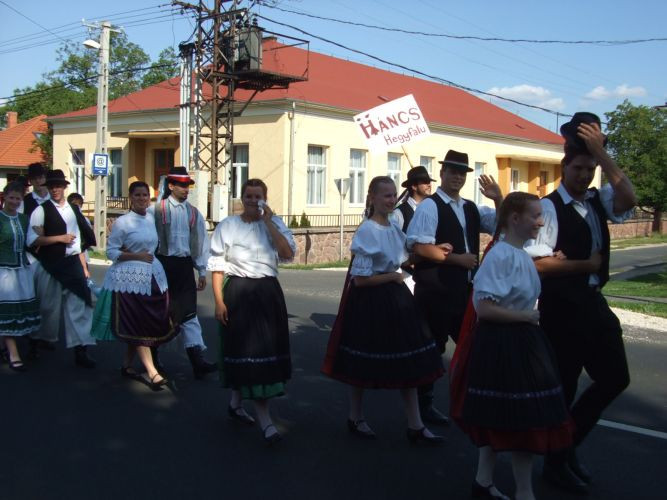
(638,141)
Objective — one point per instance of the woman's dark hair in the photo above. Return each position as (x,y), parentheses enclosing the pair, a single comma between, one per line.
(515,202)
(74,196)
(254,183)
(138,184)
(372,189)
(14,187)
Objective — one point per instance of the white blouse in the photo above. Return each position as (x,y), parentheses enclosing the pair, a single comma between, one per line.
(245,249)
(133,233)
(508,277)
(377,249)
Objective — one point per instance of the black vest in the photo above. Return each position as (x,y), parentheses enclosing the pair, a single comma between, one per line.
(54,225)
(407,211)
(29,204)
(575,240)
(448,279)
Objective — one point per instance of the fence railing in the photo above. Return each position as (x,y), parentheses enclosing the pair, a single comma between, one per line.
(329,220)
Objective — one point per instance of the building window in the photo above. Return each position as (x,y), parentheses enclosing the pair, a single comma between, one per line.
(317,175)
(427,161)
(479,170)
(79,170)
(357,176)
(239,169)
(163,162)
(115,178)
(515,180)
(394,168)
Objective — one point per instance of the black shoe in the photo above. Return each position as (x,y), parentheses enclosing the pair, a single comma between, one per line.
(560,475)
(353,427)
(157,385)
(200,367)
(479,491)
(4,355)
(578,468)
(416,436)
(127,372)
(82,359)
(240,414)
(17,366)
(271,439)
(432,415)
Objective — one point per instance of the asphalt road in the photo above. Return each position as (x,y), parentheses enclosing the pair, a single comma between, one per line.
(70,433)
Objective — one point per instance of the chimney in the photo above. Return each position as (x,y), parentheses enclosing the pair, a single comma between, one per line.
(12,119)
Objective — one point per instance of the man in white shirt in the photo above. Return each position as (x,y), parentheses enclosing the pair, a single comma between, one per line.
(446,221)
(572,257)
(182,247)
(59,234)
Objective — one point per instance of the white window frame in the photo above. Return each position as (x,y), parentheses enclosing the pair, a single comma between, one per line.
(115,177)
(515,180)
(79,170)
(316,177)
(479,170)
(239,168)
(427,161)
(394,173)
(358,177)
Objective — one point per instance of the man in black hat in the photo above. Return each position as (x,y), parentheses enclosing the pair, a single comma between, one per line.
(442,222)
(582,329)
(40,193)
(61,235)
(418,186)
(182,247)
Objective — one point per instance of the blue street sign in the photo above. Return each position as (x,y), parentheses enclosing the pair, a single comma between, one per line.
(100,164)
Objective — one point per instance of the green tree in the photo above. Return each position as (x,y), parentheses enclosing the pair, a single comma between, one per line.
(166,67)
(638,142)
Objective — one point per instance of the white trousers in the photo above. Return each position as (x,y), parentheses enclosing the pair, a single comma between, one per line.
(54,301)
(191,334)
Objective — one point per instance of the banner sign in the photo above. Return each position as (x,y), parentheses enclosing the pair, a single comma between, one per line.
(395,123)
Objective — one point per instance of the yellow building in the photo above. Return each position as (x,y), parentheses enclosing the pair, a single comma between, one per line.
(300,139)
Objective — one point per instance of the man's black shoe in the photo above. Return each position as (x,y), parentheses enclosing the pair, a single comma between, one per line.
(578,468)
(431,415)
(560,475)
(82,359)
(200,367)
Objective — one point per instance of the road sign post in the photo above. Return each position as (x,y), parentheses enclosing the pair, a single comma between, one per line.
(343,185)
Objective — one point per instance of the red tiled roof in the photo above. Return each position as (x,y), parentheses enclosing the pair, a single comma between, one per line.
(16,143)
(353,86)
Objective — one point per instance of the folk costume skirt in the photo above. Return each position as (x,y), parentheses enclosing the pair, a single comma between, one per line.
(254,344)
(383,343)
(19,309)
(513,399)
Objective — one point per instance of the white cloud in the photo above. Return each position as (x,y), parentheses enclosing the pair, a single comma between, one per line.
(601,93)
(2,102)
(538,96)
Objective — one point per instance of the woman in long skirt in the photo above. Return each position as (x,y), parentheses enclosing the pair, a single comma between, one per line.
(134,302)
(19,309)
(249,303)
(513,396)
(382,344)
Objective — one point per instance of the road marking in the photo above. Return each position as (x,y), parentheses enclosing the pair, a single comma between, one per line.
(632,428)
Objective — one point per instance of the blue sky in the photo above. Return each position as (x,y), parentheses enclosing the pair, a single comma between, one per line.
(564,78)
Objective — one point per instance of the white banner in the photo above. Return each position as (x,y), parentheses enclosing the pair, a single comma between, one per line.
(395,123)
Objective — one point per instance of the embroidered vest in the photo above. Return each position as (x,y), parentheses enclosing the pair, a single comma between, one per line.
(12,238)
(575,240)
(163,227)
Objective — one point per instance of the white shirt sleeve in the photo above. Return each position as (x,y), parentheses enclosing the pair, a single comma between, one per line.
(492,280)
(216,260)
(115,241)
(423,225)
(287,234)
(397,217)
(202,260)
(544,244)
(36,220)
(487,219)
(607,200)
(363,247)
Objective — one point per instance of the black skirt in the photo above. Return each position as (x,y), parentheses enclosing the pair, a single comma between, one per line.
(384,342)
(514,398)
(255,342)
(182,287)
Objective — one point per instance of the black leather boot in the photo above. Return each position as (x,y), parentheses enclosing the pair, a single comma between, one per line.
(82,359)
(200,366)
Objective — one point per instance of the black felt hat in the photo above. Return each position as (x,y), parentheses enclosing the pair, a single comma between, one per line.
(569,130)
(455,159)
(417,175)
(35,170)
(55,177)
(179,175)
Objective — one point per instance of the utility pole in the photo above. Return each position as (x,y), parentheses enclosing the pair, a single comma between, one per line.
(102,125)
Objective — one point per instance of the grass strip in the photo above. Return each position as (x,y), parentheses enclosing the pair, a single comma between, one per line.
(650,308)
(647,285)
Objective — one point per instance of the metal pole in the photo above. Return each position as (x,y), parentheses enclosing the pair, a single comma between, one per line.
(340,253)
(101,140)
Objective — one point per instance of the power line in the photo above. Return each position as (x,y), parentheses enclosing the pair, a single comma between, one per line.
(468,37)
(31,20)
(415,71)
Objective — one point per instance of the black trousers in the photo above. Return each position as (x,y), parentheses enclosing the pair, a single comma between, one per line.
(443,317)
(586,335)
(182,287)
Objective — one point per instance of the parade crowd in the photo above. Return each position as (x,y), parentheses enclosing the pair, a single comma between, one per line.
(526,319)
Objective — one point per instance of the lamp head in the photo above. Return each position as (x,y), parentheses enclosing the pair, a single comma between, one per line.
(92,44)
